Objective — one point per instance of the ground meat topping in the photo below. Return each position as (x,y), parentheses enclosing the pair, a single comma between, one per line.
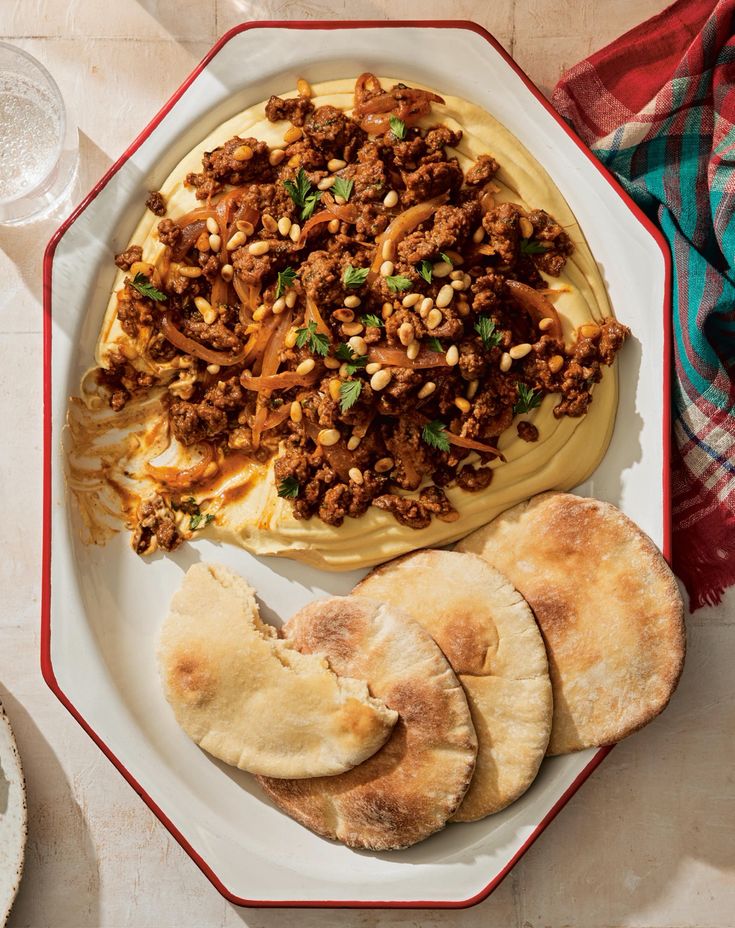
(128,257)
(156,203)
(295,110)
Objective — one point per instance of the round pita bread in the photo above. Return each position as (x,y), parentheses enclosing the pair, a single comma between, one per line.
(608,608)
(490,637)
(251,699)
(409,789)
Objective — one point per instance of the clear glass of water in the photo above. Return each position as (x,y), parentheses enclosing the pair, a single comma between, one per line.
(38,147)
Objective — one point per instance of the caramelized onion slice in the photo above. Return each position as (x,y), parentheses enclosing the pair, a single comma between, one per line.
(401,226)
(189,346)
(178,479)
(397,357)
(283,381)
(471,443)
(536,305)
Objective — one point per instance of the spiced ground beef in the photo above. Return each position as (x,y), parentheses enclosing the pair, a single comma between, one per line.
(156,203)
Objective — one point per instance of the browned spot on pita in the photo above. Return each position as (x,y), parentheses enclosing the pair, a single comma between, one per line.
(192,678)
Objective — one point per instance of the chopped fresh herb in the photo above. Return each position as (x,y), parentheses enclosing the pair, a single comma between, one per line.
(143,285)
(349,393)
(434,344)
(445,257)
(302,194)
(188,505)
(286,277)
(398,128)
(371,321)
(355,276)
(435,435)
(398,282)
(317,342)
(531,247)
(528,399)
(485,328)
(288,488)
(342,188)
(195,521)
(425,269)
(354,361)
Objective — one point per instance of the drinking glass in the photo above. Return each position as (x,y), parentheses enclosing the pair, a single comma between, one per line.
(38,147)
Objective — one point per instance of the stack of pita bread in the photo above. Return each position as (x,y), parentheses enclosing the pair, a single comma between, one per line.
(433,692)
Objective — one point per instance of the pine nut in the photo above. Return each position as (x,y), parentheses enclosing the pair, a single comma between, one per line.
(343,315)
(213,368)
(332,363)
(458,285)
(291,298)
(269,223)
(215,242)
(292,135)
(358,345)
(352,301)
(441,269)
(355,475)
(444,297)
(296,412)
(380,379)
(505,362)
(295,232)
(335,388)
(290,340)
(556,362)
(353,328)
(391,199)
(388,250)
(386,269)
(259,313)
(384,465)
(339,200)
(426,305)
(353,443)
(336,164)
(452,355)
(227,272)
(526,227)
(519,351)
(463,307)
(406,333)
(333,226)
(242,153)
(256,248)
(210,317)
(434,318)
(590,330)
(387,311)
(303,88)
(427,389)
(412,352)
(212,226)
(326,182)
(204,306)
(276,156)
(545,324)
(456,275)
(411,299)
(187,271)
(328,437)
(202,243)
(462,404)
(306,366)
(294,161)
(284,225)
(247,228)
(239,238)
(279,306)
(472,387)
(478,235)
(373,368)
(455,257)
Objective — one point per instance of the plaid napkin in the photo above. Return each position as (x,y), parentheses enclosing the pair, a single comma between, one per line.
(657,107)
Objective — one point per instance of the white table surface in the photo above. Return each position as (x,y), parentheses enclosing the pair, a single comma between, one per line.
(649,841)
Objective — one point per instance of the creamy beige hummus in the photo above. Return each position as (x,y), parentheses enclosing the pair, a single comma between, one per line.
(567,451)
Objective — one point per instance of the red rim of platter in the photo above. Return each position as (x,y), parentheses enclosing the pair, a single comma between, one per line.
(46,663)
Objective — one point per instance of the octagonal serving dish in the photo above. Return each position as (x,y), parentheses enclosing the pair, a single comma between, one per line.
(102,606)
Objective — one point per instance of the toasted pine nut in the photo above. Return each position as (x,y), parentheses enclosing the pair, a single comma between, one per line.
(294,161)
(458,285)
(239,238)
(373,368)
(519,351)
(390,199)
(279,306)
(284,225)
(328,437)
(296,412)
(335,387)
(545,324)
(210,317)
(556,362)
(333,226)
(456,275)
(204,306)
(187,271)
(352,328)
(215,242)
(441,269)
(343,315)
(526,227)
(292,135)
(387,311)
(380,379)
(325,183)
(303,88)
(256,248)
(384,465)
(291,298)
(355,475)
(463,307)
(455,257)
(212,226)
(260,313)
(444,297)
(332,363)
(339,200)
(462,404)
(269,223)
(290,340)
(213,368)
(426,304)
(242,153)
(434,318)
(227,272)
(306,366)
(478,235)
(202,243)
(295,232)
(410,299)
(336,164)
(589,330)
(276,156)
(247,228)
(352,301)
(472,388)
(505,361)
(427,389)
(353,442)
(386,269)
(406,333)
(452,355)
(358,345)
(412,351)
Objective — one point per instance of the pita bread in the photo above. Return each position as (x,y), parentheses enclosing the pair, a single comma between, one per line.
(608,608)
(251,699)
(490,637)
(409,789)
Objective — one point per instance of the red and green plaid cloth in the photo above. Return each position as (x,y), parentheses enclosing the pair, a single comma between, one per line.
(657,107)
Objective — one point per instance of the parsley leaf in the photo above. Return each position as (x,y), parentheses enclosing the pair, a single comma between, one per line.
(354,361)
(371,321)
(485,328)
(317,342)
(342,188)
(398,282)
(286,277)
(531,247)
(434,344)
(288,488)
(425,269)
(528,399)
(349,393)
(398,128)
(434,434)
(445,257)
(143,285)
(195,521)
(302,194)
(355,276)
